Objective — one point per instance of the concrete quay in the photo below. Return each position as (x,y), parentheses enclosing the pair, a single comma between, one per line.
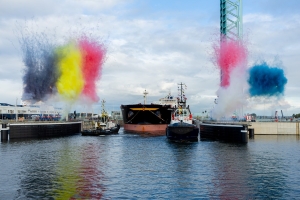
(275,128)
(265,128)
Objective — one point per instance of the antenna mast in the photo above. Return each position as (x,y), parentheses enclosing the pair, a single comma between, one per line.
(145,96)
(103,107)
(181,96)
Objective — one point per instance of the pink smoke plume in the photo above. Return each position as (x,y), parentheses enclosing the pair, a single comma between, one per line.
(228,54)
(93,55)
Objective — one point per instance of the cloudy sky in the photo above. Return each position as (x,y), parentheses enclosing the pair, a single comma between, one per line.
(155,44)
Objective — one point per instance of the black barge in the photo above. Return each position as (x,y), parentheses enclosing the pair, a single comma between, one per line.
(227,132)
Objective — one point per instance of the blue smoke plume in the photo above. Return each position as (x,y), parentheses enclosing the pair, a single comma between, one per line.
(266,81)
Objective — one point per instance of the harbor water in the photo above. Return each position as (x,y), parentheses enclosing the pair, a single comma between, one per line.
(130,166)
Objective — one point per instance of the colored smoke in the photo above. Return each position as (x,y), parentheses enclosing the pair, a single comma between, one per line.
(231,58)
(71,70)
(265,80)
(232,98)
(229,54)
(39,73)
(92,58)
(70,83)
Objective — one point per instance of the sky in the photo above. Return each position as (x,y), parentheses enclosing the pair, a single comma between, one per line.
(154,45)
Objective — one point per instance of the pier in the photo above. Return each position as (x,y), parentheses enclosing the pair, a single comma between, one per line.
(275,128)
(38,129)
(267,128)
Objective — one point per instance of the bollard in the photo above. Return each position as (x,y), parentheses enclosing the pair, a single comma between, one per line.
(4,133)
(251,133)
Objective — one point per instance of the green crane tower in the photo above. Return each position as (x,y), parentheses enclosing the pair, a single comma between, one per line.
(231,19)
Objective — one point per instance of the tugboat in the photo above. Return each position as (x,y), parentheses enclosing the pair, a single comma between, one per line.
(182,127)
(104,126)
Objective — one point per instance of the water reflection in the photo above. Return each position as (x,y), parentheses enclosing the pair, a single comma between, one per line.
(89,185)
(183,153)
(60,168)
(281,138)
(36,170)
(267,179)
(268,168)
(240,172)
(128,166)
(67,171)
(185,170)
(230,175)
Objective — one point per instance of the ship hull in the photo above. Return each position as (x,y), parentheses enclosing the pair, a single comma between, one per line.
(154,129)
(182,132)
(150,119)
(98,132)
(237,133)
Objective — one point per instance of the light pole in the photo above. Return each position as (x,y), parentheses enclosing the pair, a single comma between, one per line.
(16,109)
(204,113)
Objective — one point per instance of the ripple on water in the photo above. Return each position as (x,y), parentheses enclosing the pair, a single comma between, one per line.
(129,166)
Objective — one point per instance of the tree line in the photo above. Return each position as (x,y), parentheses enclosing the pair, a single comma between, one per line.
(296,115)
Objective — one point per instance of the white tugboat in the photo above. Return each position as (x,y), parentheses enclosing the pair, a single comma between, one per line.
(182,127)
(104,126)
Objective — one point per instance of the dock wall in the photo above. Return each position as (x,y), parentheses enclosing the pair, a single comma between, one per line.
(36,130)
(275,128)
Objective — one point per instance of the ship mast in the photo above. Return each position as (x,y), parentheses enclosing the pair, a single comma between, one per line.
(103,111)
(181,99)
(145,96)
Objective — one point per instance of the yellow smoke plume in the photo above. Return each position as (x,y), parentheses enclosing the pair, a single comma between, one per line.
(70,82)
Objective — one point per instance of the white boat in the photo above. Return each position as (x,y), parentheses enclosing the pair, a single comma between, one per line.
(182,126)
(103,125)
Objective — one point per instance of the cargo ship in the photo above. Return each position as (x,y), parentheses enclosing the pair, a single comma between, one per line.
(150,118)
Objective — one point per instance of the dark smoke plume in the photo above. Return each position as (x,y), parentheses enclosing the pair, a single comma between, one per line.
(40,74)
